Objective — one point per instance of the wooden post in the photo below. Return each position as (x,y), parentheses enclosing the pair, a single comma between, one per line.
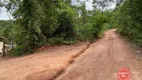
(4,54)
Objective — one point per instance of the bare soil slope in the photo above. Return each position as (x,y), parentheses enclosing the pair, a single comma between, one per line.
(103,60)
(41,66)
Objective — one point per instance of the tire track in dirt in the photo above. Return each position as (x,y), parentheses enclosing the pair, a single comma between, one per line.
(70,63)
(103,60)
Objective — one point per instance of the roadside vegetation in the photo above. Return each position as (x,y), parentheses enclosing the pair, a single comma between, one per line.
(128,17)
(37,23)
(55,22)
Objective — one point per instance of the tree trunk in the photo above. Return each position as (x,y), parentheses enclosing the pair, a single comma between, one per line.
(4,54)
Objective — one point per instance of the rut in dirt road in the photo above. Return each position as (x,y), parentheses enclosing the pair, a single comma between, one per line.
(103,60)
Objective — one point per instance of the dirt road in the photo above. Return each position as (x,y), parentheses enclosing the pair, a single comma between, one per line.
(100,61)
(103,60)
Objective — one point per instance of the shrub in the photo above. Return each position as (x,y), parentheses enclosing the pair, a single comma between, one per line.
(84,32)
(98,22)
(59,41)
(66,26)
(129,20)
(93,29)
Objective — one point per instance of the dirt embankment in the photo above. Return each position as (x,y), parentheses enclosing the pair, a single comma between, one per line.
(40,66)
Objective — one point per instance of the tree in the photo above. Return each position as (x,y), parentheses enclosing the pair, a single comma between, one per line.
(1,3)
(101,4)
(37,21)
(84,12)
(130,20)
(28,35)
(119,2)
(81,8)
(49,23)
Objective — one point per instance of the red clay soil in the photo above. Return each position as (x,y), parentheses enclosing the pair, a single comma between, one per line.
(103,60)
(42,66)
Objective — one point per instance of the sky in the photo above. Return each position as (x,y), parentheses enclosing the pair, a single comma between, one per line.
(4,15)
(88,4)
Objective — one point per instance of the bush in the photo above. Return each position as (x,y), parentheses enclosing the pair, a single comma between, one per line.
(98,22)
(66,28)
(129,20)
(93,29)
(60,41)
(84,32)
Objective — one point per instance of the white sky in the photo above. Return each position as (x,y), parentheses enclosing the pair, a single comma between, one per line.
(88,4)
(4,15)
